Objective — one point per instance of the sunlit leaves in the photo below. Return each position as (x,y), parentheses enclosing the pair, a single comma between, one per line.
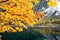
(52,3)
(19,13)
(36,1)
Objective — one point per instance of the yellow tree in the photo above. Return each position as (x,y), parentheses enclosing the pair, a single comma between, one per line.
(18,13)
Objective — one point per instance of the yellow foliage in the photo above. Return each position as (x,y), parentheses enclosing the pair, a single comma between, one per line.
(18,12)
(13,30)
(20,29)
(17,28)
(6,28)
(36,1)
(52,3)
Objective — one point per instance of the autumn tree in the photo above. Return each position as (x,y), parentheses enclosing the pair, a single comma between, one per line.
(16,14)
